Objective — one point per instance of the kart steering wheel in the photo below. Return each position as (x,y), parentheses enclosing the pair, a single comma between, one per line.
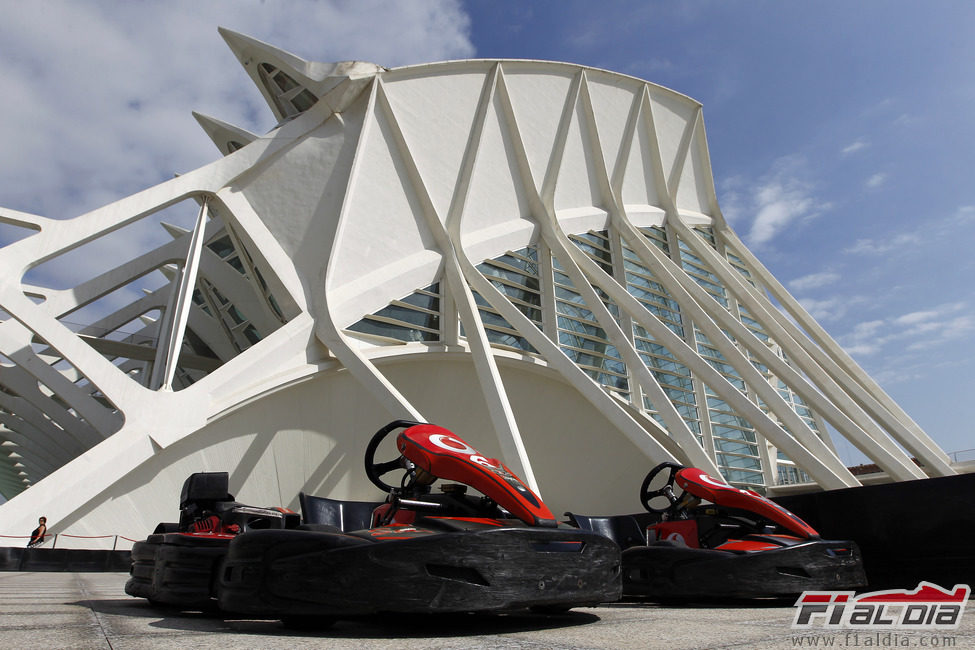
(374,470)
(647,495)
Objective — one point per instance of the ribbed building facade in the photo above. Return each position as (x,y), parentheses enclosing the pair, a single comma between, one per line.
(529,253)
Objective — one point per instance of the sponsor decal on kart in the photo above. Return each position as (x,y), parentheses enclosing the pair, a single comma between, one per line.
(926,607)
(682,532)
(450,443)
(460,448)
(702,484)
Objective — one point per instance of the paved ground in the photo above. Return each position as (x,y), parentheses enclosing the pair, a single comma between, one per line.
(91,610)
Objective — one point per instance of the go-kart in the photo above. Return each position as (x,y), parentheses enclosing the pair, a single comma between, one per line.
(177,564)
(417,551)
(705,539)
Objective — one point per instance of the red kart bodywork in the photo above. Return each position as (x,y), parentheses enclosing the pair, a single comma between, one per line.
(703,486)
(439,452)
(737,545)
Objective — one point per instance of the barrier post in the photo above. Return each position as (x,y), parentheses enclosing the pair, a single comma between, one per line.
(115,543)
(55,542)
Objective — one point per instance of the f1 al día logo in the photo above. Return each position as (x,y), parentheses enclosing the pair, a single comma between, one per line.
(927,607)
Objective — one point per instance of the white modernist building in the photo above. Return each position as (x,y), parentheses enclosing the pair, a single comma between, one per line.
(528,253)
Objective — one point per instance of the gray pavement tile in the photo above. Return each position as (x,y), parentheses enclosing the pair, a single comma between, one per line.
(55,639)
(87,610)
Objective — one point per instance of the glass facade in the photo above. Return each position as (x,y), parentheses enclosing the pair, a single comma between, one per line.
(742,455)
(414,318)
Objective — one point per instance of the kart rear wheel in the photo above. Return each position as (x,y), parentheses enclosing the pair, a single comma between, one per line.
(142,569)
(185,571)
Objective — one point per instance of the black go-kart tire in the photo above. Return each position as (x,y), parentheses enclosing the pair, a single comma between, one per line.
(142,569)
(176,570)
(186,571)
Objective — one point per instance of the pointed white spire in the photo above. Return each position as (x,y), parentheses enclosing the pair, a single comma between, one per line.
(174,231)
(290,84)
(227,137)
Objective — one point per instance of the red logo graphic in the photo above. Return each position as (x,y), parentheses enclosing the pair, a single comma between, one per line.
(924,608)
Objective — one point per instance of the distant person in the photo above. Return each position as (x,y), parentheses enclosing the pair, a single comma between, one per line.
(37,535)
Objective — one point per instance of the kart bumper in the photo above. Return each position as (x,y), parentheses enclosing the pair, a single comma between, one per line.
(302,573)
(176,569)
(664,571)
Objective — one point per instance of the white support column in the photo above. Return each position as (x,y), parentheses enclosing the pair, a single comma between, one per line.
(876,446)
(448,239)
(701,308)
(570,256)
(177,312)
(843,369)
(827,473)
(555,240)
(546,282)
(361,368)
(499,406)
(95,421)
(329,333)
(842,391)
(644,439)
(816,457)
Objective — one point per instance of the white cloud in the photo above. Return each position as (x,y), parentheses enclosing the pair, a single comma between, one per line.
(911,332)
(861,349)
(829,309)
(930,335)
(98,95)
(854,146)
(875,181)
(778,205)
(915,317)
(881,246)
(814,281)
(867,329)
(934,230)
(778,200)
(965,214)
(905,119)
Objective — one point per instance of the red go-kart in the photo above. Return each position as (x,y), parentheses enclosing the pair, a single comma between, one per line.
(419,551)
(704,539)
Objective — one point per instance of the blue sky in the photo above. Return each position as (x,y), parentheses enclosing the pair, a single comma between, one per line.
(841,133)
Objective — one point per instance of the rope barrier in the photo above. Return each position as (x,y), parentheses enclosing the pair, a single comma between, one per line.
(69,535)
(54,538)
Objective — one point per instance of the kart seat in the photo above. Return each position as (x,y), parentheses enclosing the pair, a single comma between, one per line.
(205,488)
(344,515)
(625,530)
